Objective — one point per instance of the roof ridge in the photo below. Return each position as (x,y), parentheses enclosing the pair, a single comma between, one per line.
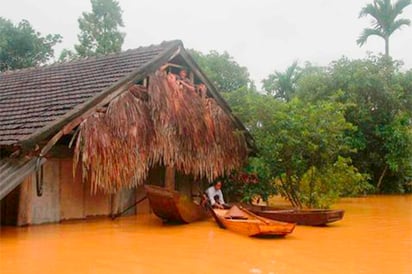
(92,58)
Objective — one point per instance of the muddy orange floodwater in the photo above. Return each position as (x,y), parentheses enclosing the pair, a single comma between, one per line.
(375,236)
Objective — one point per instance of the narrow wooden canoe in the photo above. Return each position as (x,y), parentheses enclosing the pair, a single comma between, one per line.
(171,206)
(240,220)
(310,217)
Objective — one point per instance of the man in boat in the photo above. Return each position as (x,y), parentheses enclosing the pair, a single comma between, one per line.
(215,196)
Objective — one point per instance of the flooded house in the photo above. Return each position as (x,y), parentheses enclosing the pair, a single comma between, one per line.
(80,139)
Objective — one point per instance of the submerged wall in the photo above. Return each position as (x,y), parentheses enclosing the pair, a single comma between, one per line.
(67,198)
(63,198)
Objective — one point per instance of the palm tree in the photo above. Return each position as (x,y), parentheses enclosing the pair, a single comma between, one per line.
(384,23)
(283,84)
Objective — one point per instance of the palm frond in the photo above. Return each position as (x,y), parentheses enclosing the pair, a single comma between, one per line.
(174,127)
(366,34)
(369,9)
(399,23)
(384,16)
(400,5)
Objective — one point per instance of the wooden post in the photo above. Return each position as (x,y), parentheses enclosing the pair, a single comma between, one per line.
(115,200)
(170,181)
(24,216)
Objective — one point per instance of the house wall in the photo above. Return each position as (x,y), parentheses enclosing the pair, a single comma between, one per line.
(46,208)
(97,204)
(67,198)
(64,198)
(124,201)
(72,200)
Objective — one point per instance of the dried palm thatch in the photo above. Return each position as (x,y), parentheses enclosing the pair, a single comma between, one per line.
(171,125)
(114,146)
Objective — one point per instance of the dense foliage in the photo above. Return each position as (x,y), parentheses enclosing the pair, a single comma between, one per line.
(303,148)
(377,96)
(326,132)
(250,184)
(21,46)
(225,73)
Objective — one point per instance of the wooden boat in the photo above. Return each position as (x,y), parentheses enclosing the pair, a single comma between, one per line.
(171,206)
(310,217)
(240,220)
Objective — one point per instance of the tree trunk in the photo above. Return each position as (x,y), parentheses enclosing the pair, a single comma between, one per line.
(311,189)
(386,47)
(378,186)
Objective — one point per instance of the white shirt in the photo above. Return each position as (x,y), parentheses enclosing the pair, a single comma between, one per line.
(211,192)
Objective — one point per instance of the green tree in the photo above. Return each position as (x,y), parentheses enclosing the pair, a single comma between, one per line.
(225,73)
(247,104)
(303,148)
(21,46)
(397,140)
(308,141)
(283,84)
(100,29)
(405,96)
(384,23)
(378,97)
(67,55)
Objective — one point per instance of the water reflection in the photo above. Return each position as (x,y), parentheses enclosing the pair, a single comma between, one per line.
(375,236)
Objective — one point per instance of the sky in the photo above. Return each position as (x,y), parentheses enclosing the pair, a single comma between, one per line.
(262,35)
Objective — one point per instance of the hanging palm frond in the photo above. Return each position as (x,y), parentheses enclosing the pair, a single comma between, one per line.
(166,124)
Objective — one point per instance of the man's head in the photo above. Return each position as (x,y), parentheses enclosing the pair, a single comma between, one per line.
(218,185)
(183,73)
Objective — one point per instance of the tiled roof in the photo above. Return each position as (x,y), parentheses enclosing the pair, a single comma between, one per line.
(30,99)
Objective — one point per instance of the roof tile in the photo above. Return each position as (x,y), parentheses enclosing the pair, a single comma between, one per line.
(32,98)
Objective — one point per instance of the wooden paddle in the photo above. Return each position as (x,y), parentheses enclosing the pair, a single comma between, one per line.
(133,205)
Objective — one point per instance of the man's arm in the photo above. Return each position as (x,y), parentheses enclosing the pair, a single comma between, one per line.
(221,197)
(187,85)
(210,195)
